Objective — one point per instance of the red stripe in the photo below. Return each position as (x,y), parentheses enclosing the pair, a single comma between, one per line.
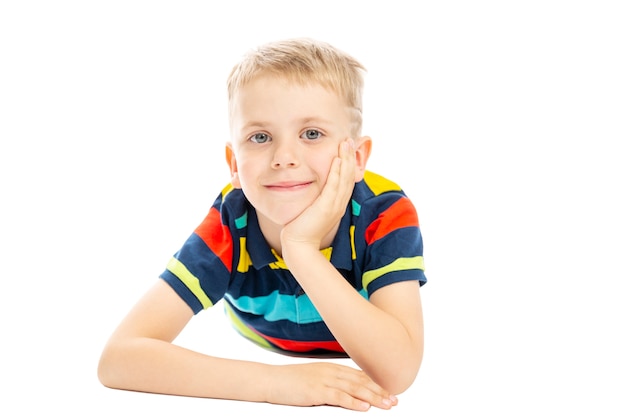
(217,237)
(301,346)
(401,214)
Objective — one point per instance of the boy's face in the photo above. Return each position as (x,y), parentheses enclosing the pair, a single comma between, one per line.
(284,139)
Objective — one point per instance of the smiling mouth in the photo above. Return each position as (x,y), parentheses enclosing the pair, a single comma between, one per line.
(288,186)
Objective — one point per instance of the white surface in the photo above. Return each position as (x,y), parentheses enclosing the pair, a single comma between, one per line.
(112,122)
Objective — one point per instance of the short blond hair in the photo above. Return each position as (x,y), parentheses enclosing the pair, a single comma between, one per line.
(304,61)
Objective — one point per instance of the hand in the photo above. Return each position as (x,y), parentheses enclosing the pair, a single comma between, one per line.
(314,223)
(322,383)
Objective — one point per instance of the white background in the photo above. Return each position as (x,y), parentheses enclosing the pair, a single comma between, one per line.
(503,121)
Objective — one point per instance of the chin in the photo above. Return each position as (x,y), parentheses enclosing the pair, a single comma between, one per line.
(286,219)
(285,216)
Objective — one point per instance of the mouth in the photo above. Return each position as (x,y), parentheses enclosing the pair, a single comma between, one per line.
(288,185)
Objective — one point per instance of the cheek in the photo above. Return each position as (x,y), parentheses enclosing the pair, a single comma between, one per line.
(247,163)
(321,165)
(246,170)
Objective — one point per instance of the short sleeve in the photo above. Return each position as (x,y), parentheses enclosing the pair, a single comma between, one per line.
(200,271)
(394,247)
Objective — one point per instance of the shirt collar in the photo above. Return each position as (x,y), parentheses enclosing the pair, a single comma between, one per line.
(261,253)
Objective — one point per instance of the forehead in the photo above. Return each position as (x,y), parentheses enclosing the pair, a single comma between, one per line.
(282,85)
(260,99)
(265,94)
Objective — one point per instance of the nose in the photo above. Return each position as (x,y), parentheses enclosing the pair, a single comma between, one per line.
(285,155)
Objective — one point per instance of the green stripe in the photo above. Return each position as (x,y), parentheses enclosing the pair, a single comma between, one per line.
(400,264)
(243,329)
(187,278)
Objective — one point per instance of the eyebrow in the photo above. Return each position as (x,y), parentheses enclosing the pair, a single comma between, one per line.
(308,120)
(302,121)
(254,124)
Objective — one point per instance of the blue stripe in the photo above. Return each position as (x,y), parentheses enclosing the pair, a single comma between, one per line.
(276,306)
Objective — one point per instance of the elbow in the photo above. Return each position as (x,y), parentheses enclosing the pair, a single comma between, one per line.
(106,368)
(401,381)
(104,373)
(400,377)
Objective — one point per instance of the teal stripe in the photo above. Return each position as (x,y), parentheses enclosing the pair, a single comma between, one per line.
(242,222)
(276,306)
(356,208)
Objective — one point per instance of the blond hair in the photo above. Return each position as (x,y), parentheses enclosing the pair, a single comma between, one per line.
(304,61)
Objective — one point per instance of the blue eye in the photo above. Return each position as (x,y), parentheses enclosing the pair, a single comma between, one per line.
(260,137)
(311,134)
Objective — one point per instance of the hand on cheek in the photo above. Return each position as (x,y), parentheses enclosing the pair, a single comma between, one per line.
(316,221)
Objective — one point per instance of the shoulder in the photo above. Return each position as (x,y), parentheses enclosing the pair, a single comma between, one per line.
(231,198)
(377,184)
(228,212)
(380,206)
(230,204)
(376,194)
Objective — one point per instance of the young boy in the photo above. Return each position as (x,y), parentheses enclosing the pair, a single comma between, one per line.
(312,254)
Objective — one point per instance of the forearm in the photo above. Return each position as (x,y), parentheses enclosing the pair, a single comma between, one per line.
(152,365)
(374,339)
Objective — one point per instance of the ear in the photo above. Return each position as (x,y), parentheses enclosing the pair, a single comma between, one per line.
(232,165)
(363,150)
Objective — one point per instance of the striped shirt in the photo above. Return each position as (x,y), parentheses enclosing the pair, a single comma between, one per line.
(378,243)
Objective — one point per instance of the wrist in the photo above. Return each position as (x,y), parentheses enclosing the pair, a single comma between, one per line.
(295,251)
(267,384)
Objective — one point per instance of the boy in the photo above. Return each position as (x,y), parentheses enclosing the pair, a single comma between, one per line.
(312,254)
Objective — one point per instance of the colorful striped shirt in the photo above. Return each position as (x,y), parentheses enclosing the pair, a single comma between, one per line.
(378,243)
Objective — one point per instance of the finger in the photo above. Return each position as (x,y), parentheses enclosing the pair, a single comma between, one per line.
(360,386)
(330,190)
(346,170)
(340,181)
(348,157)
(373,395)
(342,399)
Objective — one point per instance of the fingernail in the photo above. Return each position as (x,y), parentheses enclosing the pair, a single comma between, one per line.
(386,402)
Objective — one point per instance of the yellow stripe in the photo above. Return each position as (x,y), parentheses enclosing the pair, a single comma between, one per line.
(243,329)
(227,190)
(187,278)
(352,242)
(400,264)
(327,253)
(379,184)
(244,256)
(280,263)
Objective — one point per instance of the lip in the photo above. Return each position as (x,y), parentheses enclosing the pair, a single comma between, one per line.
(288,185)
